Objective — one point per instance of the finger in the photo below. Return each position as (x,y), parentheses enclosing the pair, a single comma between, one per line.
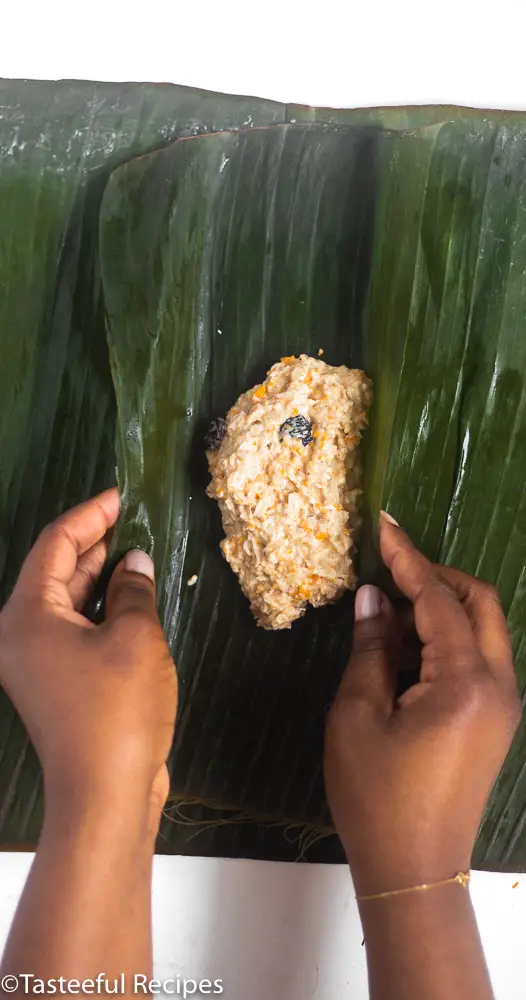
(54,556)
(440,619)
(132,587)
(484,611)
(87,573)
(370,676)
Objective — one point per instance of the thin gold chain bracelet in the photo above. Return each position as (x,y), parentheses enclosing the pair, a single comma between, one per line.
(461,878)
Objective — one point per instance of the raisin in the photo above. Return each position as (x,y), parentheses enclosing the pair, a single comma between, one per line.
(297,427)
(215,434)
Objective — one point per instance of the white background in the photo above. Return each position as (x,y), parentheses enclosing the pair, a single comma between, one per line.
(286,932)
(283,930)
(330,52)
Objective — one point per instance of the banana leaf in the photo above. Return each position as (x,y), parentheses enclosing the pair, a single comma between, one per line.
(218,257)
(403,252)
(401,118)
(58,145)
(452,467)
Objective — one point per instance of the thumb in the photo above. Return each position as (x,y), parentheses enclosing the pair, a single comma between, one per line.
(132,587)
(371,673)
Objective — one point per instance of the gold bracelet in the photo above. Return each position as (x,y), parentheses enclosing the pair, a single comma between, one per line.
(462,878)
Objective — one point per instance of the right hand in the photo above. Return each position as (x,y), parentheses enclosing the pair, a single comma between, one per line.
(99,701)
(408,780)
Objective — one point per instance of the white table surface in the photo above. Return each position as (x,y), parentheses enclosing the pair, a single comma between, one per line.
(268,930)
(284,931)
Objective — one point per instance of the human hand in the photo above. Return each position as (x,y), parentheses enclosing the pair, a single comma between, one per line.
(407,780)
(98,701)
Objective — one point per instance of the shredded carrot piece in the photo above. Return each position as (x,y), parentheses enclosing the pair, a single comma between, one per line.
(321,536)
(288,360)
(259,393)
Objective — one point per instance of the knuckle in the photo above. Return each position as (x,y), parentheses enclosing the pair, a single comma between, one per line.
(351,705)
(481,686)
(131,591)
(368,645)
(57,529)
(444,658)
(465,663)
(86,573)
(489,594)
(50,531)
(474,691)
(480,695)
(437,578)
(369,639)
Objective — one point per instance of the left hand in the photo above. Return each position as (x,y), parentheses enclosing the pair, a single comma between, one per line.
(99,701)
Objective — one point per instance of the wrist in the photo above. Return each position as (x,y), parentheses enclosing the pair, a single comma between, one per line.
(125,813)
(440,904)
(384,874)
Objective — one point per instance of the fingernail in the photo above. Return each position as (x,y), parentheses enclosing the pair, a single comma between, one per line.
(388,517)
(368,602)
(137,561)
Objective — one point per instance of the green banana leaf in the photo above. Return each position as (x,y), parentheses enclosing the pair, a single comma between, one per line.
(218,257)
(401,119)
(452,467)
(59,143)
(403,252)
